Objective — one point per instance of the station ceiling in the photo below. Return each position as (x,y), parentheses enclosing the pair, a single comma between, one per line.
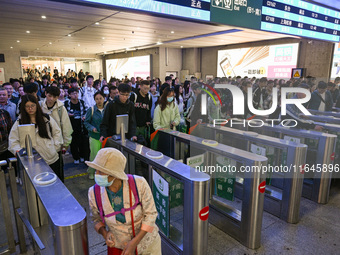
(48,26)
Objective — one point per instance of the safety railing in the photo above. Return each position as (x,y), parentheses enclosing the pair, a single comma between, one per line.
(325,119)
(20,219)
(54,214)
(184,210)
(240,218)
(320,152)
(283,195)
(334,114)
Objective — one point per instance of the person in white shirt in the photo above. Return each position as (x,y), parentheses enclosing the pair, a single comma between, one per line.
(87,93)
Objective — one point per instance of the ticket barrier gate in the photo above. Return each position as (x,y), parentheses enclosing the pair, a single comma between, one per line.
(334,114)
(187,232)
(242,223)
(335,130)
(321,150)
(283,195)
(325,119)
(54,214)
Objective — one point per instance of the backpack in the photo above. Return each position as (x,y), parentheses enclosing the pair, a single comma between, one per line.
(132,186)
(190,109)
(135,97)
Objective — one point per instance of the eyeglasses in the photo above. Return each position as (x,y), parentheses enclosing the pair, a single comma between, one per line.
(30,106)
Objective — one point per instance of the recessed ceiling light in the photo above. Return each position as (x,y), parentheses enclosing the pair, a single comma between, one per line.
(103,38)
(62,50)
(18,41)
(28,32)
(69,35)
(159,43)
(78,44)
(50,42)
(172,32)
(181,46)
(37,48)
(43,17)
(138,27)
(97,23)
(11,47)
(104,52)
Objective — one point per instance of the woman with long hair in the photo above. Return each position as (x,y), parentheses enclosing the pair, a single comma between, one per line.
(186,91)
(106,91)
(179,98)
(166,114)
(48,134)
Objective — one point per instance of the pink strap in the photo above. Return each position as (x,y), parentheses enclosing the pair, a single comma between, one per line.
(99,201)
(132,186)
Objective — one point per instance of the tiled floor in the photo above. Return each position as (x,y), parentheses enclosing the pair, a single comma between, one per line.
(318,231)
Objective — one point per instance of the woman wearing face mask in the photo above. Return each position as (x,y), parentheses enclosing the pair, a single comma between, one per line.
(131,229)
(166,114)
(93,119)
(105,90)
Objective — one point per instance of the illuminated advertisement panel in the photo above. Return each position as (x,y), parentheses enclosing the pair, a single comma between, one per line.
(130,67)
(275,61)
(335,72)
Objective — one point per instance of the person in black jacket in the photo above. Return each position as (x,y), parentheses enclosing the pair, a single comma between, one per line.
(143,103)
(259,94)
(120,105)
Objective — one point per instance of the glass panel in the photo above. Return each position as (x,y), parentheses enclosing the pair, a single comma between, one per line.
(170,209)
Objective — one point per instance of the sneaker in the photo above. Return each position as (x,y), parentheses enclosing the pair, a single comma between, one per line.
(76,162)
(17,180)
(82,160)
(91,176)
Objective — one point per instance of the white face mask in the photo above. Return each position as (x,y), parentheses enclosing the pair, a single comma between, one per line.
(106,92)
(102,180)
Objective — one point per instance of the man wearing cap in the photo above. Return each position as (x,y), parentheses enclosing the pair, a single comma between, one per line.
(115,194)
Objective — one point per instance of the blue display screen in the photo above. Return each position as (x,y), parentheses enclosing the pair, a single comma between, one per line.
(191,9)
(301,18)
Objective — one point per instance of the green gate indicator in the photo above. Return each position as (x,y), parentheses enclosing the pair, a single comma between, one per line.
(160,191)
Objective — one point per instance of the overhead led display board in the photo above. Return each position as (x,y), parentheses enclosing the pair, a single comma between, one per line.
(294,17)
(190,9)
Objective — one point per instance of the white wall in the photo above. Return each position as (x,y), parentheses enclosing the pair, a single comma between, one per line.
(12,65)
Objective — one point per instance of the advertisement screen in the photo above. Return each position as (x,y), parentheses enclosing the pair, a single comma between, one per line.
(130,67)
(273,62)
(336,62)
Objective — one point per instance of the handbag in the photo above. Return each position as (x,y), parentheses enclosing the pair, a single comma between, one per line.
(3,146)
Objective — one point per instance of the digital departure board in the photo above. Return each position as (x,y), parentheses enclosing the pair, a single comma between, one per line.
(190,9)
(300,18)
(294,17)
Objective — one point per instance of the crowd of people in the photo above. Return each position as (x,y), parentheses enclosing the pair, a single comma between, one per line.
(80,112)
(69,112)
